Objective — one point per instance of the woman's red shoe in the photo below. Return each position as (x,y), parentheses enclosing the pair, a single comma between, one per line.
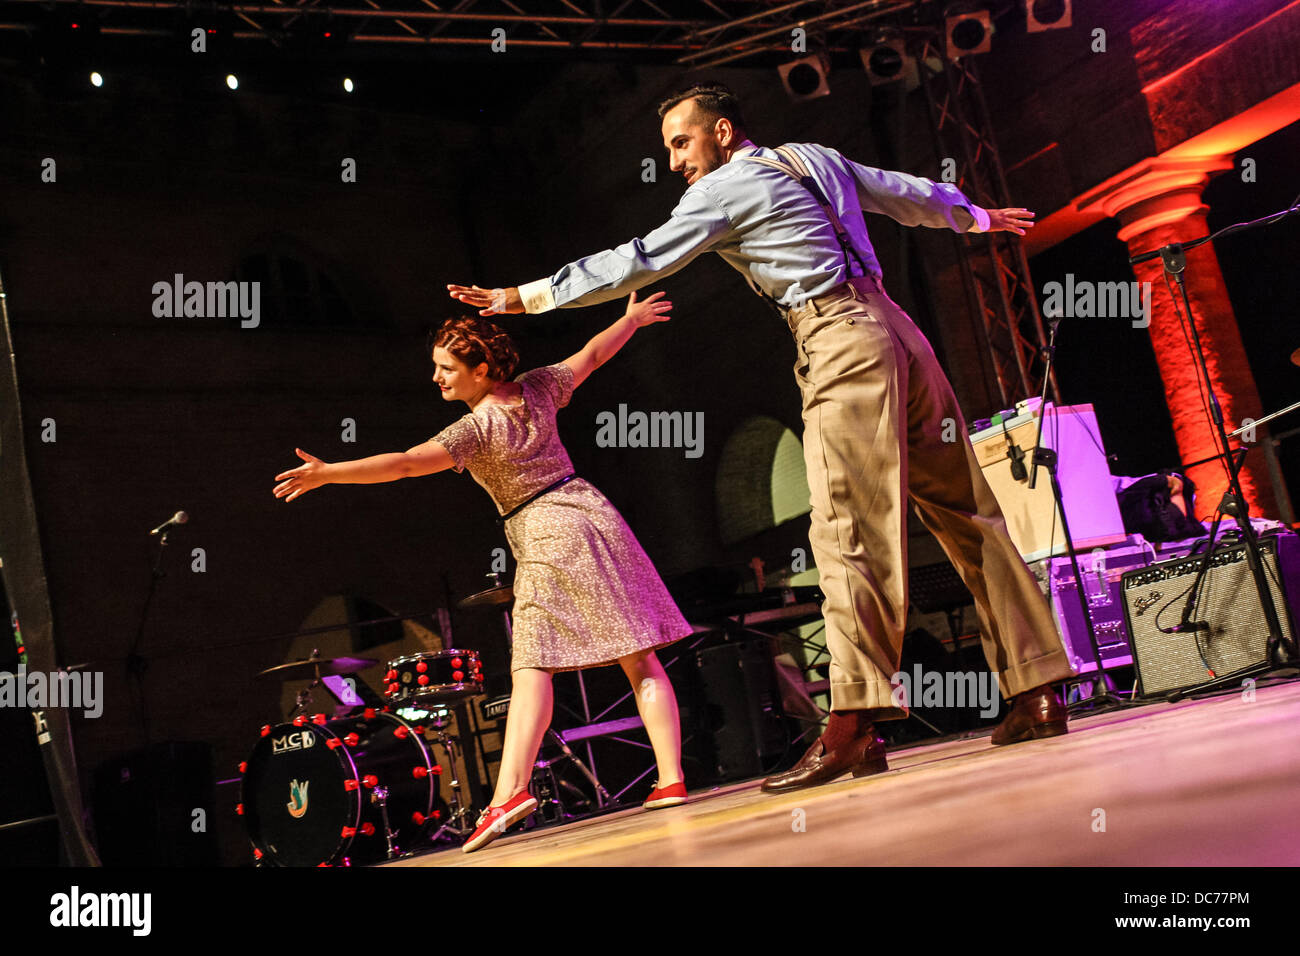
(670,796)
(494,821)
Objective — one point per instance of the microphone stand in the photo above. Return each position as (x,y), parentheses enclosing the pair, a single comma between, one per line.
(1103,690)
(1233,502)
(136,664)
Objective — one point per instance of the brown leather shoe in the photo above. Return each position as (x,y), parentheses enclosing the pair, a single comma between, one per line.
(862,757)
(1036,713)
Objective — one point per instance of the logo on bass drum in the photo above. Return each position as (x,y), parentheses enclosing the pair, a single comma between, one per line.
(297,805)
(299,740)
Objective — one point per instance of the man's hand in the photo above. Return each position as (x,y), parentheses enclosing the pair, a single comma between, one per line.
(1010,220)
(488,301)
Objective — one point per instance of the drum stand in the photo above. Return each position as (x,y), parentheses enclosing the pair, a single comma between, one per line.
(455,825)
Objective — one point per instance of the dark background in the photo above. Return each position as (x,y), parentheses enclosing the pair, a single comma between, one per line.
(482,170)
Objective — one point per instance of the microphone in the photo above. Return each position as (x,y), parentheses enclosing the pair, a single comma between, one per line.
(178,518)
(1014,452)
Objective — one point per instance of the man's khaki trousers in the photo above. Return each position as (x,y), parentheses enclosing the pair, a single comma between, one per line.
(882,427)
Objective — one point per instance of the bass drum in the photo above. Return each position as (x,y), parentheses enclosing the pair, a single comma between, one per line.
(308,791)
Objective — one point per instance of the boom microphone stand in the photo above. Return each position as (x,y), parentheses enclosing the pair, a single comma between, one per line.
(1233,503)
(1103,690)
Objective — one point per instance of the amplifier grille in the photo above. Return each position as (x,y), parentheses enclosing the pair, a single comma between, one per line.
(1237,637)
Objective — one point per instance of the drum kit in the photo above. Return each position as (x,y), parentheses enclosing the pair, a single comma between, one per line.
(362,786)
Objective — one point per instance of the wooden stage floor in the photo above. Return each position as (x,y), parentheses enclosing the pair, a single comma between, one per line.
(1209,782)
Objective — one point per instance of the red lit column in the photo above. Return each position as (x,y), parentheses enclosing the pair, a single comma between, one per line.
(1157,203)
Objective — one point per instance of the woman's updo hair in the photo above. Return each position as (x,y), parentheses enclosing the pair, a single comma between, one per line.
(475,341)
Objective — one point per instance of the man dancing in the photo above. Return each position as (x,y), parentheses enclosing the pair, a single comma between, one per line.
(876,408)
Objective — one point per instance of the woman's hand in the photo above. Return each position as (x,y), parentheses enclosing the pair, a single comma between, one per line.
(300,480)
(650,310)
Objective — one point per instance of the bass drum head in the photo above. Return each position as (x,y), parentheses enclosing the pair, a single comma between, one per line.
(295,804)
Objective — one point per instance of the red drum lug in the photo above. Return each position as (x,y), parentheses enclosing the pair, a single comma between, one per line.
(367,829)
(239,808)
(369,713)
(266,729)
(349,832)
(351,740)
(419,773)
(318,719)
(418,818)
(370,780)
(333,743)
(458,676)
(350,785)
(243,766)
(422,679)
(421,667)
(457,662)
(403,731)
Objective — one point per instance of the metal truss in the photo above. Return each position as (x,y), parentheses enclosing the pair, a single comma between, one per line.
(995,268)
(695,34)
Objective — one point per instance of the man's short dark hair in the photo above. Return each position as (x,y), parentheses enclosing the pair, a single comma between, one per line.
(713,101)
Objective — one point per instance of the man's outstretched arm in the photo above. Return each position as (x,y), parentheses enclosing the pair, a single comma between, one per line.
(916,201)
(697,225)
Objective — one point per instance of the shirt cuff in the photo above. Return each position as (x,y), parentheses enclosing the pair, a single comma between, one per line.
(981,217)
(537,296)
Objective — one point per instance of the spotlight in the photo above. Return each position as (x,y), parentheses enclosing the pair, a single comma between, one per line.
(232,81)
(886,61)
(968,33)
(96,79)
(348,86)
(1043,15)
(805,79)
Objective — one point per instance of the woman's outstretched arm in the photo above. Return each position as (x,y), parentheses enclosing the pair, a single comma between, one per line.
(425,459)
(603,346)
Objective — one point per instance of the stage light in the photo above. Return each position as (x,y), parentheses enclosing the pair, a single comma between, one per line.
(347,84)
(968,33)
(805,79)
(1043,15)
(886,61)
(96,79)
(232,81)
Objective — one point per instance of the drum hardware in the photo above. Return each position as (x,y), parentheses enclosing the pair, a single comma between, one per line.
(315,667)
(380,796)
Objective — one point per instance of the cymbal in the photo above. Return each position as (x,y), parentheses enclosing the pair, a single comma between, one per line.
(492,596)
(310,666)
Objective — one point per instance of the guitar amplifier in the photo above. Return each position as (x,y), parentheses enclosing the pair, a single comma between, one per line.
(1228,603)
(1102,570)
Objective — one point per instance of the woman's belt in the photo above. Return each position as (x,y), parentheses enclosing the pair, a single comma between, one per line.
(518,508)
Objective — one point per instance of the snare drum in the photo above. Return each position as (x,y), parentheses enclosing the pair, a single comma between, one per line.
(308,792)
(449,675)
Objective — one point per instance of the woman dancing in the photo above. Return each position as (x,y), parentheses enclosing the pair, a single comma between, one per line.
(585,592)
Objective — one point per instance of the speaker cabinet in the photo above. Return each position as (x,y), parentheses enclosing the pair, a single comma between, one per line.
(1236,638)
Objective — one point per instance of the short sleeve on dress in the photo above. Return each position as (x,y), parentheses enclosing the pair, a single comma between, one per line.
(555,380)
(462,439)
